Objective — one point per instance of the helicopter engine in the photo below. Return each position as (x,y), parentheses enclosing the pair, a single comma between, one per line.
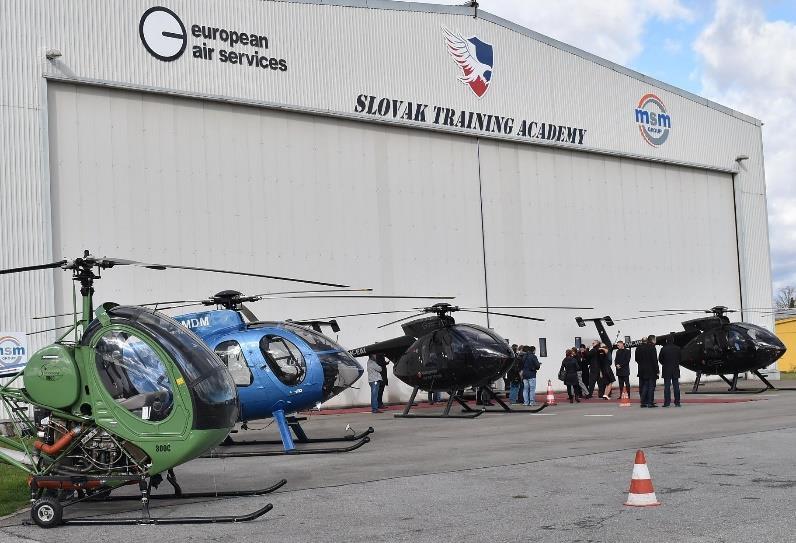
(96,452)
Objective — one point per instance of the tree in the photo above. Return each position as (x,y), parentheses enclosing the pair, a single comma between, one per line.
(786,298)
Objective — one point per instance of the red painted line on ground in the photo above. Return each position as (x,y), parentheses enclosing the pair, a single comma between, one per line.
(540,398)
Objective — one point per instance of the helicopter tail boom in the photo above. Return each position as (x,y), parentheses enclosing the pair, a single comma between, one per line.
(391,348)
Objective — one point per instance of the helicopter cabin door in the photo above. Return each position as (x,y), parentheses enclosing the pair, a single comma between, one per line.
(285,370)
(139,385)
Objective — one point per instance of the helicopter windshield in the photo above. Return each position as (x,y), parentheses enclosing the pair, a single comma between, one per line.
(760,335)
(340,371)
(214,396)
(317,341)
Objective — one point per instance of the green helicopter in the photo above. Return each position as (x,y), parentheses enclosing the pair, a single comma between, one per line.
(130,395)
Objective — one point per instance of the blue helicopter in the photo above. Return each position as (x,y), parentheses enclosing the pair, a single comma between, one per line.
(279,367)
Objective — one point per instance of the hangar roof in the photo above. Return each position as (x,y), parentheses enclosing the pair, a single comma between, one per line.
(485,15)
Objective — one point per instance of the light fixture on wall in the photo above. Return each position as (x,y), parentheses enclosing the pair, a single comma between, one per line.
(52,54)
(741,158)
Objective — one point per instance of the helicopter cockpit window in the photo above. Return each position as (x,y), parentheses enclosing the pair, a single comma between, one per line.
(231,354)
(284,359)
(134,375)
(760,335)
(735,340)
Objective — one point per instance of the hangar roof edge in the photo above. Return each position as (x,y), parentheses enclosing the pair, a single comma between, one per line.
(397,5)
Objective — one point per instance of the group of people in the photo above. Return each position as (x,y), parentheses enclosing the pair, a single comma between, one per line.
(584,369)
(521,376)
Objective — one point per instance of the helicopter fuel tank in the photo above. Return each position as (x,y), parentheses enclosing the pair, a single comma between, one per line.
(51,377)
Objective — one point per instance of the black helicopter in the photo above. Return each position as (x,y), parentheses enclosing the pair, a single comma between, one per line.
(713,345)
(437,354)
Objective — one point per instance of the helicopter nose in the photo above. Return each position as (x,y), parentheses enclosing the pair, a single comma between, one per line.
(340,371)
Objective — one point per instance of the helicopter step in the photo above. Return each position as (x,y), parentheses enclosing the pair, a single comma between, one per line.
(733,386)
(452,396)
(504,408)
(49,504)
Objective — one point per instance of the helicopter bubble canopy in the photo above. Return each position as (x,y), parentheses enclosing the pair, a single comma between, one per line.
(139,383)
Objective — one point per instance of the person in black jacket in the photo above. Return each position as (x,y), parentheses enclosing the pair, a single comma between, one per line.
(607,377)
(622,363)
(670,358)
(593,357)
(647,360)
(583,363)
(530,365)
(513,377)
(571,367)
(382,361)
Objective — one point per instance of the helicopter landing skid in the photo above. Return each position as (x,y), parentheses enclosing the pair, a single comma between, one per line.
(301,437)
(452,396)
(47,510)
(291,452)
(733,386)
(180,495)
(768,384)
(507,409)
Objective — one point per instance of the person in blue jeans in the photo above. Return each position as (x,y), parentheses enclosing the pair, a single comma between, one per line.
(374,380)
(530,364)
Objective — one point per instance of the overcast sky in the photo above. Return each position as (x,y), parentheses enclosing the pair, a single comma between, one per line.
(740,53)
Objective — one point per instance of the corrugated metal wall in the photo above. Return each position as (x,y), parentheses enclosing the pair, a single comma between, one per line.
(334,53)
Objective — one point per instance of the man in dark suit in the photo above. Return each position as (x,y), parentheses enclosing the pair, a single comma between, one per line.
(647,360)
(382,361)
(670,358)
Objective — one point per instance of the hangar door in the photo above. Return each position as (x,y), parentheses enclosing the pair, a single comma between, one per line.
(616,234)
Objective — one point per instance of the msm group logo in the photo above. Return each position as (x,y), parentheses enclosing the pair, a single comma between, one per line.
(475,57)
(654,122)
(12,352)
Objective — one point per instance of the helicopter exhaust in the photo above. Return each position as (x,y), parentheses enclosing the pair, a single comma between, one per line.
(59,445)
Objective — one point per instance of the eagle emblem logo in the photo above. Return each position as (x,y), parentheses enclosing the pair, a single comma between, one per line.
(474,56)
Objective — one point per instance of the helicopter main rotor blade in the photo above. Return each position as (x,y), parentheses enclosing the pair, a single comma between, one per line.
(684,310)
(364,297)
(368,313)
(21,269)
(312,292)
(155,304)
(530,307)
(654,316)
(110,262)
(502,314)
(403,319)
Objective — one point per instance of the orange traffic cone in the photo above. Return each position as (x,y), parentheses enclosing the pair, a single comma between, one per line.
(551,398)
(641,492)
(624,401)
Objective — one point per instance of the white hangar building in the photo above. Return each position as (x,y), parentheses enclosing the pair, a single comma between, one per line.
(415,149)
